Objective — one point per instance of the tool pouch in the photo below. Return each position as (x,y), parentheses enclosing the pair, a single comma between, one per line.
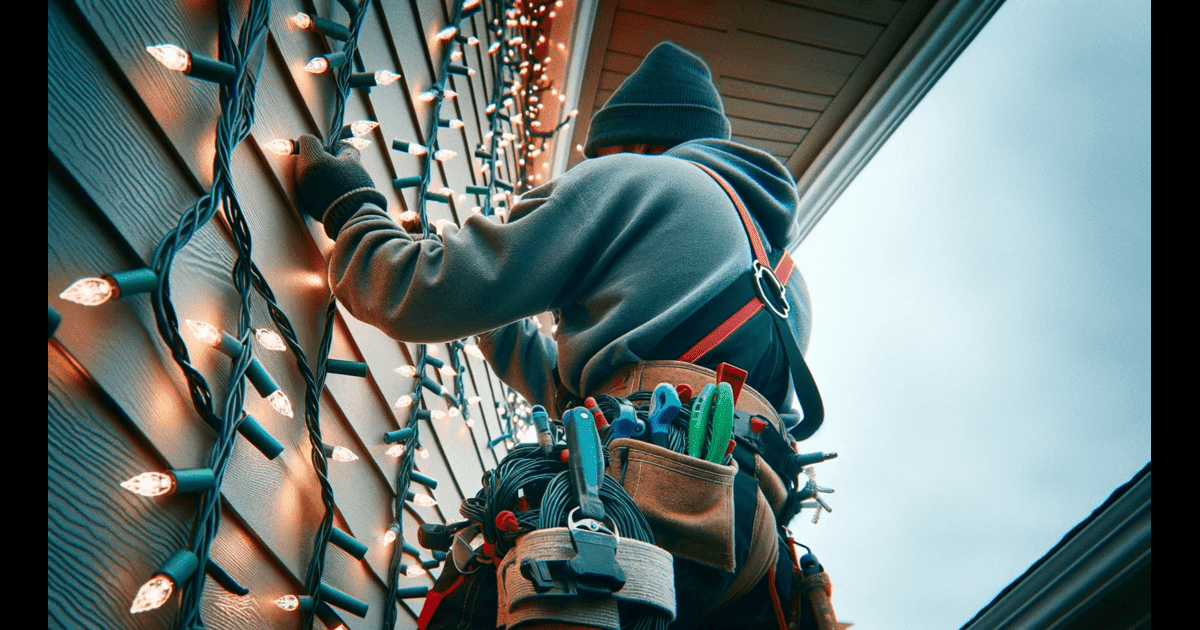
(649,583)
(688,501)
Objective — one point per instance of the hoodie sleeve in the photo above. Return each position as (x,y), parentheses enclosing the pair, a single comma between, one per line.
(525,359)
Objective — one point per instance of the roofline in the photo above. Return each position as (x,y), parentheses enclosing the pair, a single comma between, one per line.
(1094,557)
(941,36)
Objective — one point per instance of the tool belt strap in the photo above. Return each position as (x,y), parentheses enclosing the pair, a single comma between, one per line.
(649,581)
(646,375)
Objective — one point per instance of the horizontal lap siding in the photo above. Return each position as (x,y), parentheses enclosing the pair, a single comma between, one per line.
(130,149)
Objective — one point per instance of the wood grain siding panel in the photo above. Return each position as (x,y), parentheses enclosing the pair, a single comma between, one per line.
(771,94)
(765,131)
(610,81)
(806,26)
(776,148)
(877,11)
(636,33)
(885,48)
(621,62)
(787,64)
(766,17)
(768,113)
(103,542)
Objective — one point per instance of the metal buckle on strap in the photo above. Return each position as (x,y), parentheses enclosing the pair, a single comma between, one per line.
(778,291)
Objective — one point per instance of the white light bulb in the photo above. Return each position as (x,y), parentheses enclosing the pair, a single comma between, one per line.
(447,370)
(386,77)
(301,20)
(428,96)
(270,339)
(363,127)
(317,65)
(437,414)
(413,571)
(288,602)
(408,371)
(396,450)
(417,149)
(89,291)
(456,55)
(424,500)
(404,400)
(358,143)
(456,124)
(343,454)
(493,48)
(150,484)
(423,452)
(204,331)
(447,34)
(279,402)
(442,155)
(471,4)
(153,594)
(389,537)
(454,412)
(280,146)
(408,216)
(450,93)
(474,400)
(171,56)
(433,349)
(470,423)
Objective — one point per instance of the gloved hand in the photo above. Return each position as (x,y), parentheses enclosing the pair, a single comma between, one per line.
(330,188)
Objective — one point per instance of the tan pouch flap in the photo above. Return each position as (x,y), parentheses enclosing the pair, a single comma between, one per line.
(688,501)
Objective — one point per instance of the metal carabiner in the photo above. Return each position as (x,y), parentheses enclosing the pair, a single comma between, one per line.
(779,291)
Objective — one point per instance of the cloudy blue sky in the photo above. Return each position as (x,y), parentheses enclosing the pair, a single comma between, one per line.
(981,295)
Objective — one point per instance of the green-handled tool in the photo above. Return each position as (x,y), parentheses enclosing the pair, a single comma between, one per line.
(698,423)
(722,423)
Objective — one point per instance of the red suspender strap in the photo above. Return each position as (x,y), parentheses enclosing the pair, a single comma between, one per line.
(783,272)
(775,283)
(760,253)
(713,339)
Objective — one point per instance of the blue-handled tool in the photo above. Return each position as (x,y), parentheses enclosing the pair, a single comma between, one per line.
(626,423)
(541,421)
(664,406)
(585,461)
(698,423)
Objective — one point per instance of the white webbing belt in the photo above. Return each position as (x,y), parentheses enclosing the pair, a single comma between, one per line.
(649,581)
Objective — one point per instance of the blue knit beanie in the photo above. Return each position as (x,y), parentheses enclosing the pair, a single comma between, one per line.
(668,100)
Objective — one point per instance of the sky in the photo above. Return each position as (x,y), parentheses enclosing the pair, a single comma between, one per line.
(981,299)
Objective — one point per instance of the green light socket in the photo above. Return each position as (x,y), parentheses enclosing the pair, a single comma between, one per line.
(334,597)
(132,282)
(398,435)
(428,482)
(259,438)
(347,543)
(412,592)
(194,479)
(211,70)
(349,368)
(401,183)
(179,567)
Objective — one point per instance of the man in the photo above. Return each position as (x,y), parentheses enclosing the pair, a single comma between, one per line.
(629,251)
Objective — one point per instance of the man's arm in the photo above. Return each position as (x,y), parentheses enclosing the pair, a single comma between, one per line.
(524,359)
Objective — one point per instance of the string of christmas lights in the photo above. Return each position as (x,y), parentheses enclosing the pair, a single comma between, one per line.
(514,100)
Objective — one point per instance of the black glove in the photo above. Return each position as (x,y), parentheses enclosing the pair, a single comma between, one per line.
(330,188)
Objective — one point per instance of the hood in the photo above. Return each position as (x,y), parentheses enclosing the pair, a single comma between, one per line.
(763,183)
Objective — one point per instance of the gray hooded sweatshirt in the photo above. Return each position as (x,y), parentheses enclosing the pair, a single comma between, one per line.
(621,249)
